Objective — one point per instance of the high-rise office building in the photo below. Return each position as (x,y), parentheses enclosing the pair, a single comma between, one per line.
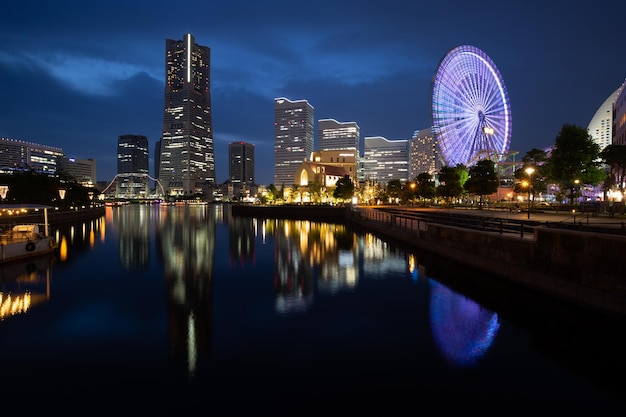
(424,154)
(385,159)
(241,163)
(346,136)
(187,164)
(293,138)
(132,166)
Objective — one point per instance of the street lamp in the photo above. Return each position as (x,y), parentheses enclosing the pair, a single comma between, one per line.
(412,194)
(529,171)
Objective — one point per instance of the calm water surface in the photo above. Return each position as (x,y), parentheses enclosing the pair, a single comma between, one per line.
(166,309)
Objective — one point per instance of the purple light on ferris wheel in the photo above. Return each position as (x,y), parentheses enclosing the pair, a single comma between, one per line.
(470,108)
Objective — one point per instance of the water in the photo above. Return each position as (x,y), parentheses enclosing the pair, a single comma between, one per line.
(160,310)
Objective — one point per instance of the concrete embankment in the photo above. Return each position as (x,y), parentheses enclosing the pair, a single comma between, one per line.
(580,267)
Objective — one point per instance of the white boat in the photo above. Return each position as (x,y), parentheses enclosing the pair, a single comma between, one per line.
(23,240)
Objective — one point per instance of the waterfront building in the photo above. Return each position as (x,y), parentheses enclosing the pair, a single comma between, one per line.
(293,138)
(315,181)
(601,125)
(385,160)
(82,170)
(132,166)
(344,136)
(187,161)
(344,158)
(18,155)
(424,155)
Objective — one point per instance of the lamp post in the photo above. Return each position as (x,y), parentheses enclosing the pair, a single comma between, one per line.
(529,171)
(412,194)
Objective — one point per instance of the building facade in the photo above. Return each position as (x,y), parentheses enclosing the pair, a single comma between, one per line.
(619,117)
(293,138)
(82,170)
(600,127)
(18,155)
(344,158)
(132,166)
(344,136)
(187,162)
(423,154)
(385,160)
(241,163)
(241,183)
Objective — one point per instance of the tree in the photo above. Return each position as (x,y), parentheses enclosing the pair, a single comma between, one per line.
(394,189)
(272,193)
(449,183)
(425,186)
(574,160)
(614,156)
(344,188)
(315,188)
(482,180)
(294,192)
(535,159)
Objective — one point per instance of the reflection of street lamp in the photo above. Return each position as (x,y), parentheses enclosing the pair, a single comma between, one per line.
(529,171)
(4,189)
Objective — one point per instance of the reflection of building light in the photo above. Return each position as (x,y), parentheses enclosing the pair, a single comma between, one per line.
(63,249)
(92,238)
(412,263)
(102,227)
(14,304)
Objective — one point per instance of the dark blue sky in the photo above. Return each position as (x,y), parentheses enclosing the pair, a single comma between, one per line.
(77,74)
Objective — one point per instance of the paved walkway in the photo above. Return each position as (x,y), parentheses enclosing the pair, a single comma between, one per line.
(545,216)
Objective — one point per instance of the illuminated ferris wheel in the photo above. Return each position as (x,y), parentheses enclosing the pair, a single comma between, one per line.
(470,107)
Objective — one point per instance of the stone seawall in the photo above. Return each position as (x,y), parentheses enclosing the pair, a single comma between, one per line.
(580,267)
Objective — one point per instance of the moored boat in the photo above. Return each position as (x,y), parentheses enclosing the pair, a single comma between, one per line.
(25,240)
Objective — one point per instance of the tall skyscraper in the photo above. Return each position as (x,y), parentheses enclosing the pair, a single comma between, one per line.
(293,138)
(187,163)
(241,163)
(132,166)
(346,136)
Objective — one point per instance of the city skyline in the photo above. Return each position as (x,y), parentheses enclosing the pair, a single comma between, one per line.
(70,80)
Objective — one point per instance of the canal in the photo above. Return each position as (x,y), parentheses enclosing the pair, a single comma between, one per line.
(159,310)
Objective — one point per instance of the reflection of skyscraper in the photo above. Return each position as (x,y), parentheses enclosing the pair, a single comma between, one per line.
(293,138)
(133,164)
(187,245)
(187,155)
(241,235)
(134,236)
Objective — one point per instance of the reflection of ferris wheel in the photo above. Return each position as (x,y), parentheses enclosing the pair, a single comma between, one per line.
(470,105)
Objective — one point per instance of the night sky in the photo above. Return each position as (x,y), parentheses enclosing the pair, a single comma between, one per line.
(78,74)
